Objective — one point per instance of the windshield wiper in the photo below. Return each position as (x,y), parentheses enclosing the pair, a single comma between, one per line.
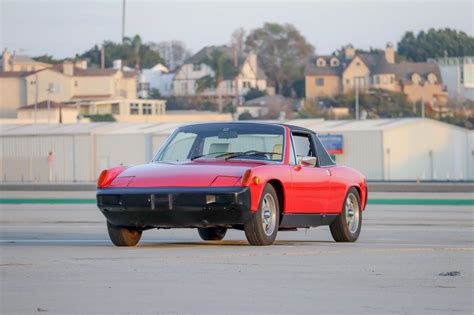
(220,154)
(250,153)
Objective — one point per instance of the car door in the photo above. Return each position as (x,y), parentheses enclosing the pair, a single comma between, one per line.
(309,183)
(336,186)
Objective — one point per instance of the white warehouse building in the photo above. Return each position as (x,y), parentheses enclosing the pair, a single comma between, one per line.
(382,149)
(402,149)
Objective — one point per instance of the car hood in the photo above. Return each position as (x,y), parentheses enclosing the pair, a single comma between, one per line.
(193,173)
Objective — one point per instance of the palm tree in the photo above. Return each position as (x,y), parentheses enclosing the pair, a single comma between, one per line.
(223,68)
(133,47)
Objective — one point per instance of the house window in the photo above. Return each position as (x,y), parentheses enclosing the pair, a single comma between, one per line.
(146,109)
(144,86)
(247,84)
(321,62)
(134,109)
(377,79)
(320,82)
(76,83)
(357,64)
(115,109)
(392,79)
(158,109)
(196,67)
(334,62)
(348,81)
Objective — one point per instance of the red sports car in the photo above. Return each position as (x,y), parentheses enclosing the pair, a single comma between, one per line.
(255,177)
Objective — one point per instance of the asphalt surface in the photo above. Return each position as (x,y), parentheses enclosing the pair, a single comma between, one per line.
(57,259)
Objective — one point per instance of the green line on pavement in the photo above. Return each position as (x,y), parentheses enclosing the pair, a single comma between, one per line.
(445,202)
(441,202)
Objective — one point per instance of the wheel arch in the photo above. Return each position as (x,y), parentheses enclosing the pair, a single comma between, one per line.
(278,186)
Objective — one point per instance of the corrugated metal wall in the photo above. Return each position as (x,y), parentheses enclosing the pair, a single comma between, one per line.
(363,151)
(25,158)
(426,150)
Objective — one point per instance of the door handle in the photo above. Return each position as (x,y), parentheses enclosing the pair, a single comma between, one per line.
(328,172)
(297,168)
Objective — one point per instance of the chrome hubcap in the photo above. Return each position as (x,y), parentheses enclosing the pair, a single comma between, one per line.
(268,214)
(352,213)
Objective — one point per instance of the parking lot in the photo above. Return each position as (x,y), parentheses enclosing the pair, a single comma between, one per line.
(410,259)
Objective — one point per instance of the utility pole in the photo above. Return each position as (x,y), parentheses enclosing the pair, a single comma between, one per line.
(236,81)
(356,82)
(123,21)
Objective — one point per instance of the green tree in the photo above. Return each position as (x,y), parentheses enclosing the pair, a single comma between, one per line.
(132,52)
(378,103)
(223,67)
(154,94)
(282,52)
(435,43)
(48,59)
(254,93)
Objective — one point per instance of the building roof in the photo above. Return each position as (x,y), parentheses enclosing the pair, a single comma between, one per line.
(94,72)
(266,100)
(377,64)
(14,74)
(44,105)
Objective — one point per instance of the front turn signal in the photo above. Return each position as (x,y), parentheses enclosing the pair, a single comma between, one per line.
(107,176)
(246,177)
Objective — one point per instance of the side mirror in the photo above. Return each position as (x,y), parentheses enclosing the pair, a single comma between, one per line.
(308,161)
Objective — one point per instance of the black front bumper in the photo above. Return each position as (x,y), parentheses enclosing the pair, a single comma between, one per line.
(168,207)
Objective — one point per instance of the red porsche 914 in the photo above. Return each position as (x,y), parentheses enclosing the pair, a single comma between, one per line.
(255,177)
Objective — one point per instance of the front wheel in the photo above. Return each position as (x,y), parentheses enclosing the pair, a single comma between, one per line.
(263,227)
(346,227)
(212,233)
(121,236)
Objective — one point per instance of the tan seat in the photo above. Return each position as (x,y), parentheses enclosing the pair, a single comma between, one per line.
(218,147)
(277,152)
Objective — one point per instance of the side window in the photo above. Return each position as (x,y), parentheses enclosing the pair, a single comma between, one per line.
(324,158)
(302,143)
(293,160)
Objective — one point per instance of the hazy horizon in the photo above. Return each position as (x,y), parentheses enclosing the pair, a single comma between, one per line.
(64,28)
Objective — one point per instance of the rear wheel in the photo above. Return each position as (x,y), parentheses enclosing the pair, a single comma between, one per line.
(346,227)
(121,236)
(212,233)
(263,227)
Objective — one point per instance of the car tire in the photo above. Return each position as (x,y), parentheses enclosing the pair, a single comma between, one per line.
(212,233)
(347,225)
(121,236)
(262,229)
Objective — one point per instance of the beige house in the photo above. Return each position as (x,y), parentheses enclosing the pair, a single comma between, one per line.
(332,75)
(65,83)
(51,112)
(20,63)
(250,75)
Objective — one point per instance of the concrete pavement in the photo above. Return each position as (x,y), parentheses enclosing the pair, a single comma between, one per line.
(57,259)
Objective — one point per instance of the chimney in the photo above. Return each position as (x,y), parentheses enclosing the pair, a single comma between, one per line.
(117,64)
(81,64)
(68,68)
(349,51)
(6,60)
(252,59)
(390,53)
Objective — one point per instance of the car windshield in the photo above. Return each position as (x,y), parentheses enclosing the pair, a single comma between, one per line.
(224,141)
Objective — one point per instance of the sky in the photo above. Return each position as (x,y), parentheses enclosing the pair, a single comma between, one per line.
(63,28)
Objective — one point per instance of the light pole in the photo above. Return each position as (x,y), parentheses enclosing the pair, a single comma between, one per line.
(423,100)
(356,82)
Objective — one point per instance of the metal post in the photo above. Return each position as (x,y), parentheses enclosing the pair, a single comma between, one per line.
(123,21)
(423,102)
(36,97)
(356,81)
(49,109)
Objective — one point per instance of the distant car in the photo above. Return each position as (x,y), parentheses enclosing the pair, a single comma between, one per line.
(255,177)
